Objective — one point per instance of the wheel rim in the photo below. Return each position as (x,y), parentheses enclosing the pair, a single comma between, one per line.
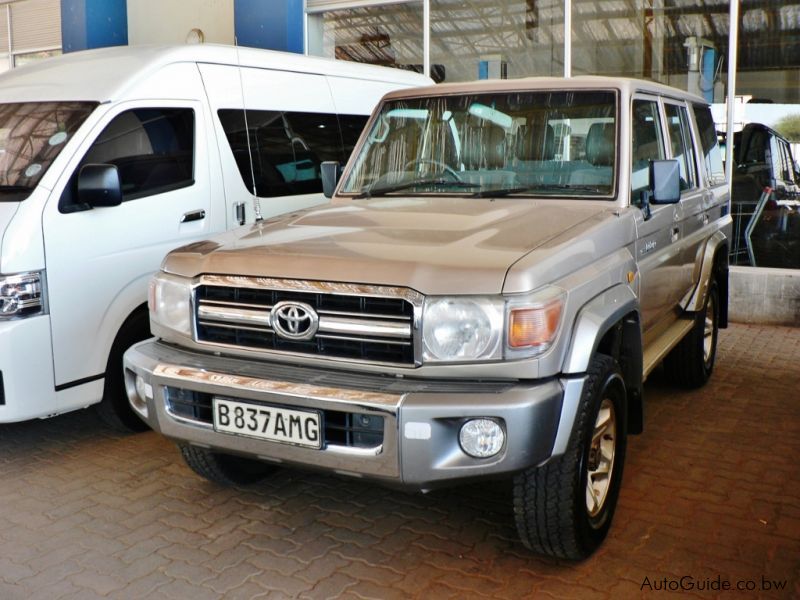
(600,466)
(708,329)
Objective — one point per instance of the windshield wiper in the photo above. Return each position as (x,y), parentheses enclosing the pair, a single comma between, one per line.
(382,191)
(15,188)
(14,193)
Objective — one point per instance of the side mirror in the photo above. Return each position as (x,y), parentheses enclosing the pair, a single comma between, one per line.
(665,181)
(330,171)
(99,185)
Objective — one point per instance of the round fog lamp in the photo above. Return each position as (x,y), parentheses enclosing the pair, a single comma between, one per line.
(141,390)
(481,438)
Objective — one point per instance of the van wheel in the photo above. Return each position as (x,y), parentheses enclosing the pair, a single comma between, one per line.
(114,409)
(224,469)
(691,362)
(564,508)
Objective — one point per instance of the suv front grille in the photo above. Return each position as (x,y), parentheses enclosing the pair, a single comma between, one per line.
(351,326)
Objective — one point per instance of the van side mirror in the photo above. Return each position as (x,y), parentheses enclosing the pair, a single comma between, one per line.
(99,185)
(665,181)
(330,171)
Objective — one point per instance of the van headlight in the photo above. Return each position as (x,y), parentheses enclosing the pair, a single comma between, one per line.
(459,329)
(22,295)
(169,301)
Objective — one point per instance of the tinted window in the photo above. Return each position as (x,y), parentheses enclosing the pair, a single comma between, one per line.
(681,143)
(647,145)
(153,149)
(287,147)
(712,157)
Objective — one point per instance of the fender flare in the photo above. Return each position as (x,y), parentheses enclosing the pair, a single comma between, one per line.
(593,321)
(698,298)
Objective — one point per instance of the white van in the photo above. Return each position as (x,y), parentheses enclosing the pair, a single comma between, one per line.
(110,158)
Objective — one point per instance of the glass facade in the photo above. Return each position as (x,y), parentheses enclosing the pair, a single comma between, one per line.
(682,43)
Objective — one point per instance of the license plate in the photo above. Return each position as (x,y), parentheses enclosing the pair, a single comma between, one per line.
(298,427)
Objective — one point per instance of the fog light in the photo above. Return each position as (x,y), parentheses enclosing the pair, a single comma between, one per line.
(481,438)
(140,402)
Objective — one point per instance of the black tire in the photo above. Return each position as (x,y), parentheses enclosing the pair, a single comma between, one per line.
(114,409)
(691,362)
(224,469)
(551,502)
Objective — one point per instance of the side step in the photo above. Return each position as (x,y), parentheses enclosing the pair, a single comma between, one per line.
(660,347)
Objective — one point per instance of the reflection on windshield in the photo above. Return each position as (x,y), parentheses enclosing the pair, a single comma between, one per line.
(31,136)
(520,143)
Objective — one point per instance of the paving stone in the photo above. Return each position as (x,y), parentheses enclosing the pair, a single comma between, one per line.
(710,489)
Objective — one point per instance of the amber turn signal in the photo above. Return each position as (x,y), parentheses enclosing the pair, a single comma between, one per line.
(531,327)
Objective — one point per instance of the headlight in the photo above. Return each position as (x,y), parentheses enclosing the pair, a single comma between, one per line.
(21,295)
(533,322)
(462,329)
(169,301)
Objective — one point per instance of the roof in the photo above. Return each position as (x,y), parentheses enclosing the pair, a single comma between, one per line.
(586,82)
(101,75)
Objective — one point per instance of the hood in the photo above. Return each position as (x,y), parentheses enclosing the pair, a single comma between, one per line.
(432,245)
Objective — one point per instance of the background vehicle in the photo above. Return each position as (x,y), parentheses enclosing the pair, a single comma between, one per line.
(110,158)
(502,266)
(765,171)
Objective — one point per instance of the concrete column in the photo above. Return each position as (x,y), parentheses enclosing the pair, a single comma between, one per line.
(274,25)
(89,24)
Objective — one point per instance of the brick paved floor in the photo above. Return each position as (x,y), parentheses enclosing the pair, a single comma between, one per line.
(712,489)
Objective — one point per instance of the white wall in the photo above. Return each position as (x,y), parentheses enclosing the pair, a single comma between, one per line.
(168,21)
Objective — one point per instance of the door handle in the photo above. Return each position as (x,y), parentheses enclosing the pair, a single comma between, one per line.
(675,234)
(193,215)
(240,215)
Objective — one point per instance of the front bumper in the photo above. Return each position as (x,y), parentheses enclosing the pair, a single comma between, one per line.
(421,418)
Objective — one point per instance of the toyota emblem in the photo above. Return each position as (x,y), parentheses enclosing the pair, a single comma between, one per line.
(294,320)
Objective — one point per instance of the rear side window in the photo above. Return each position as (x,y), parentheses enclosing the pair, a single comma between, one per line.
(287,148)
(681,143)
(647,145)
(712,157)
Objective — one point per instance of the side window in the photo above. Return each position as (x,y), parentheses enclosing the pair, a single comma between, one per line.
(681,143)
(712,157)
(647,145)
(287,148)
(153,149)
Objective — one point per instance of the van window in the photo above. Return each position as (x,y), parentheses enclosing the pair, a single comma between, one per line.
(647,145)
(287,147)
(32,134)
(153,149)
(712,157)
(681,143)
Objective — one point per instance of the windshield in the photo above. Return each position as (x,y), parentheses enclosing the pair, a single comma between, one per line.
(31,136)
(518,143)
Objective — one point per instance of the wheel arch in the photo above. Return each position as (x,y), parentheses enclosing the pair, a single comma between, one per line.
(609,324)
(715,264)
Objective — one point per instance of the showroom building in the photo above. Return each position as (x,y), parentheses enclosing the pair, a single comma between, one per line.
(682,43)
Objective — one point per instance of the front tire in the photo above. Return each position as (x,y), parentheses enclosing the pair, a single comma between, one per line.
(565,507)
(114,409)
(224,469)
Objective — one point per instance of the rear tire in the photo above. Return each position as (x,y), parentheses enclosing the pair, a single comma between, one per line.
(114,409)
(565,507)
(691,362)
(223,469)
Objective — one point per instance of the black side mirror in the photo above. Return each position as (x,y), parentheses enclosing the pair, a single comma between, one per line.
(330,171)
(665,181)
(99,185)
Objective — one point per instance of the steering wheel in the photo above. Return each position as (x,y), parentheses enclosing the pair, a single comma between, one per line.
(427,161)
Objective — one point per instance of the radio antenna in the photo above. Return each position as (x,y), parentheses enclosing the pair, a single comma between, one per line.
(256,201)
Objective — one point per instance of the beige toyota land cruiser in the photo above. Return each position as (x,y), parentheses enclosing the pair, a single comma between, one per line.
(502,265)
